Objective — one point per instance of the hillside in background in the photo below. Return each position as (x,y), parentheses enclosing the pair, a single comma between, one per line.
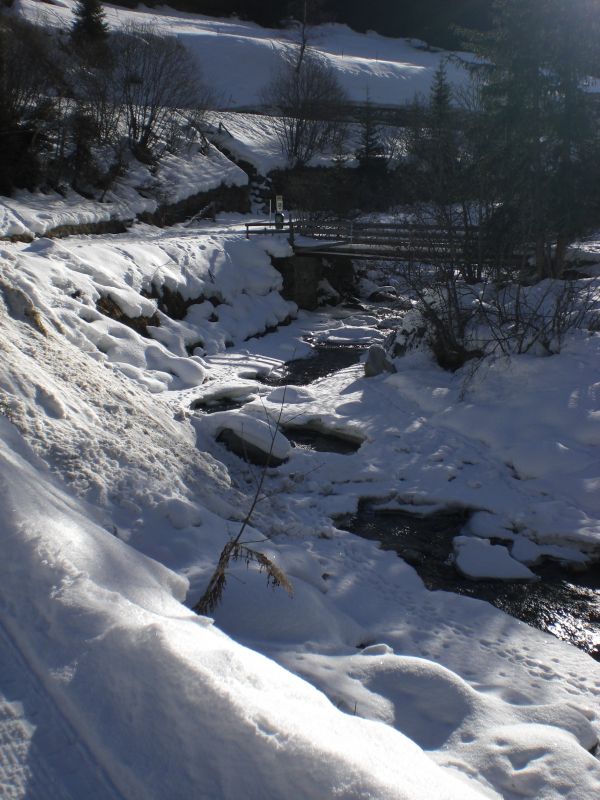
(434,21)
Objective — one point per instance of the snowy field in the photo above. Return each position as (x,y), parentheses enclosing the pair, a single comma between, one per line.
(116,500)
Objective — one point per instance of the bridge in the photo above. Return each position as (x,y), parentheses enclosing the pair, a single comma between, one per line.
(392,241)
(326,248)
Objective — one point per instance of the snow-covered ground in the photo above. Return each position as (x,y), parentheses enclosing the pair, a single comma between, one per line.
(177,177)
(238,58)
(117,501)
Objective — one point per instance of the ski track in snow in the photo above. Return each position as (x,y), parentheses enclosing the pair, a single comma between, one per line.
(41,754)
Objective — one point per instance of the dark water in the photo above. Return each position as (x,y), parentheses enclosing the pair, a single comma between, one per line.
(307,439)
(564,603)
(223,404)
(326,360)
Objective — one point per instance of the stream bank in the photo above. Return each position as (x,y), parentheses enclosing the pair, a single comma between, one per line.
(565,601)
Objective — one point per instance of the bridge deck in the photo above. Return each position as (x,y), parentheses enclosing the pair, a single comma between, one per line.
(383,241)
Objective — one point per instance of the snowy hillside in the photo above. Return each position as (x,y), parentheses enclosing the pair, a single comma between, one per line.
(238,58)
(128,365)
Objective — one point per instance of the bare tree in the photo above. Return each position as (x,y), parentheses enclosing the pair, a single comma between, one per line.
(159,79)
(28,100)
(308,102)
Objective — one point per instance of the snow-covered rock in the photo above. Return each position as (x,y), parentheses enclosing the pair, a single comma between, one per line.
(479,559)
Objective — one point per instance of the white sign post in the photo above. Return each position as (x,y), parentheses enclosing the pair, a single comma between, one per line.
(279,203)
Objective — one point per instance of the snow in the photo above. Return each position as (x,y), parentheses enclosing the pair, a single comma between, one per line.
(30,214)
(116,502)
(86,587)
(238,58)
(477,558)
(262,434)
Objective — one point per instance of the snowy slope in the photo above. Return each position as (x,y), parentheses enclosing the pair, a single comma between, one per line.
(104,631)
(177,177)
(238,58)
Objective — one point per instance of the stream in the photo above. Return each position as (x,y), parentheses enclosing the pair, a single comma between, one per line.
(563,602)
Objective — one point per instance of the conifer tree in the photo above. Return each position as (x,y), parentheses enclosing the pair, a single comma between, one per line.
(434,144)
(370,151)
(89,26)
(540,142)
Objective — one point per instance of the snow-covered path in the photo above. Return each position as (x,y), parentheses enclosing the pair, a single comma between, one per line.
(41,756)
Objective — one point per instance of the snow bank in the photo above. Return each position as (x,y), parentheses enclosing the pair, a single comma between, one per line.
(177,178)
(166,704)
(259,433)
(231,286)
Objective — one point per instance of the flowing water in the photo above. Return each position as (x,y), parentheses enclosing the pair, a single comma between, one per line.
(563,602)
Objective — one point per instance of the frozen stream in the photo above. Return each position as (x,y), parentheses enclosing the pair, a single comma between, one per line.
(565,603)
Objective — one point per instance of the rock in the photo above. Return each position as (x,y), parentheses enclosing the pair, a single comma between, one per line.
(248,451)
(252,439)
(383,294)
(378,362)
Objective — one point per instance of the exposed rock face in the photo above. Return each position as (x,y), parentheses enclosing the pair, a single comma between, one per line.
(303,275)
(378,361)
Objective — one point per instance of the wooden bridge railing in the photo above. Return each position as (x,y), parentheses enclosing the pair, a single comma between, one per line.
(404,241)
(263,228)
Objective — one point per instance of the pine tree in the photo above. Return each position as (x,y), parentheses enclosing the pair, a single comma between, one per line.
(89,26)
(370,153)
(434,146)
(537,120)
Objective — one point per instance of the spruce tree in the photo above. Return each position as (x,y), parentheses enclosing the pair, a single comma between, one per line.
(89,26)
(370,153)
(540,143)
(433,145)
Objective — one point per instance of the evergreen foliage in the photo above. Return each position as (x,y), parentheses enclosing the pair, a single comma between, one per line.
(89,26)
(370,153)
(433,145)
(541,142)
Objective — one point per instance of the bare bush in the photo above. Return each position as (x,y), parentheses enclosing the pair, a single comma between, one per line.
(535,319)
(459,322)
(307,100)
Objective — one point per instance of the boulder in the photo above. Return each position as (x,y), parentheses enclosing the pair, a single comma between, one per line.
(378,361)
